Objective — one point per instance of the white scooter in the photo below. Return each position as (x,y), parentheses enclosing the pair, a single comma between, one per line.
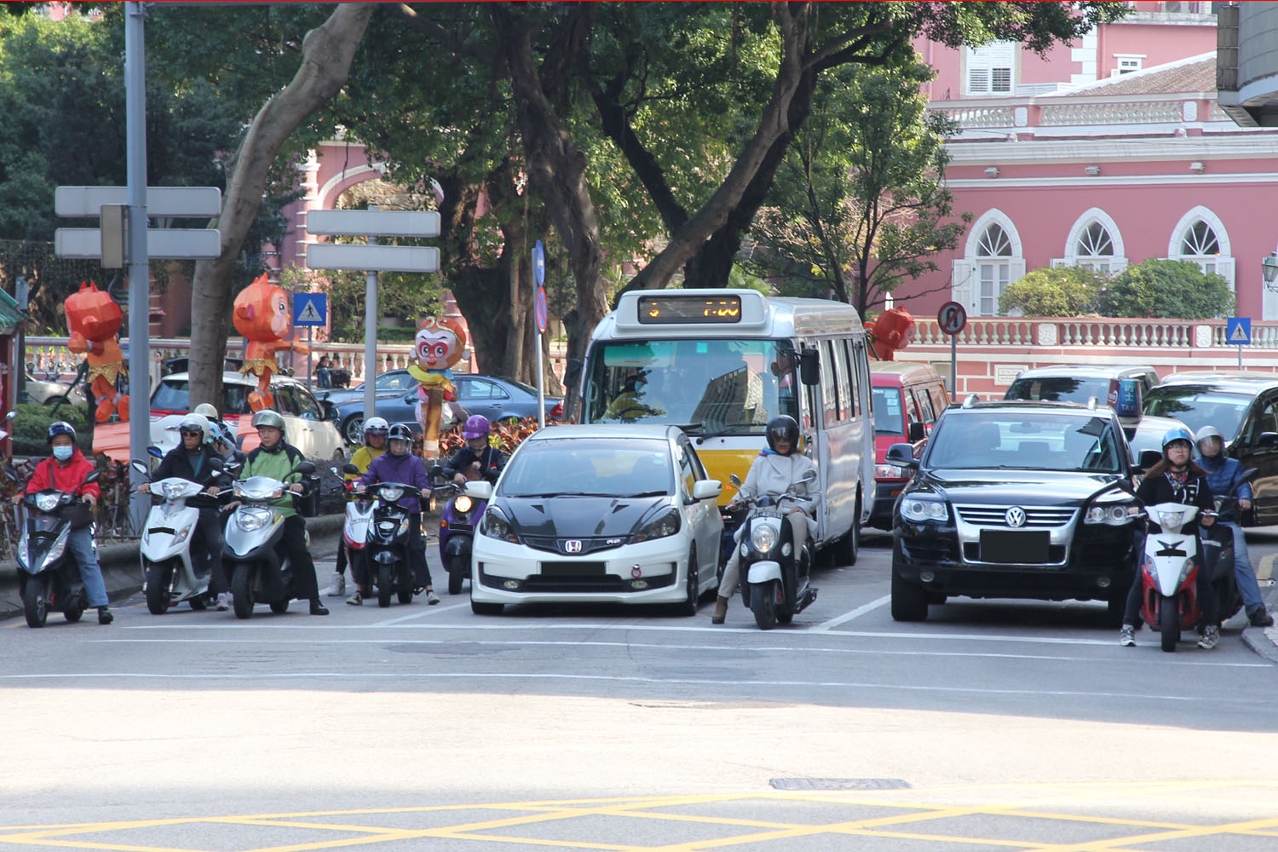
(1169,573)
(255,561)
(776,581)
(359,515)
(165,549)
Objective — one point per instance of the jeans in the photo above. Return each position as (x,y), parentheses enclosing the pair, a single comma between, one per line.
(80,543)
(1244,573)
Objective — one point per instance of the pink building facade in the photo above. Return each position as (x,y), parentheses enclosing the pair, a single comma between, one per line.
(1102,154)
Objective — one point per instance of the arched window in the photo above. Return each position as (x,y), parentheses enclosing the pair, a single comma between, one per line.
(993,268)
(1094,243)
(1200,237)
(992,260)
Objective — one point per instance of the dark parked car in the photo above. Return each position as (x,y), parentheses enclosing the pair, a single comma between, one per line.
(1015,500)
(389,383)
(494,398)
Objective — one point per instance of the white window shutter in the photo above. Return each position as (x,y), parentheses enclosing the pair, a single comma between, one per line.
(1225,267)
(961,289)
(1017,270)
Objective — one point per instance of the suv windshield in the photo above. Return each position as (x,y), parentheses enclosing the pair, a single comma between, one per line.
(1200,405)
(1060,389)
(1030,440)
(589,466)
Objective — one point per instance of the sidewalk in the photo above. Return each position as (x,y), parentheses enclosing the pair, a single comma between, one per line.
(1264,640)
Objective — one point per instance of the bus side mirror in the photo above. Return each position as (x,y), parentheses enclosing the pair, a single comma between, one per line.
(809,367)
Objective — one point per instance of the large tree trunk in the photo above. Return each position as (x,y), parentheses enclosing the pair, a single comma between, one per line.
(327,52)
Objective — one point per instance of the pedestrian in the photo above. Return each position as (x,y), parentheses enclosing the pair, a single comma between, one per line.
(323,374)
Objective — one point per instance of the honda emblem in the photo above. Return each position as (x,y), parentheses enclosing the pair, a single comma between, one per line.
(572,545)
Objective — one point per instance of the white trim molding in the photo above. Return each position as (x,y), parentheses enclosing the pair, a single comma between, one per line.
(1093,214)
(1194,214)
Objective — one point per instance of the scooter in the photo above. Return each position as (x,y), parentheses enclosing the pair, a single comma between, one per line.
(47,574)
(359,515)
(168,562)
(1169,573)
(254,558)
(456,530)
(776,580)
(388,541)
(1217,543)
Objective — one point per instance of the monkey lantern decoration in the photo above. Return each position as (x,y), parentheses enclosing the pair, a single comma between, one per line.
(892,331)
(439,344)
(263,317)
(94,320)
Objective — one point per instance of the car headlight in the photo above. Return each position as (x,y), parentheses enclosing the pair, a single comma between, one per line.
(391,495)
(914,509)
(763,537)
(463,504)
(890,471)
(1114,514)
(666,525)
(496,526)
(47,502)
(249,519)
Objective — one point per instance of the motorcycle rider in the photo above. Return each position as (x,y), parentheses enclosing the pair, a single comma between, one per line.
(777,470)
(478,459)
(375,429)
(1224,476)
(400,465)
(1176,478)
(65,471)
(276,458)
(193,460)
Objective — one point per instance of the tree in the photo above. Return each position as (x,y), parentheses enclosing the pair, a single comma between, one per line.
(1172,289)
(1065,291)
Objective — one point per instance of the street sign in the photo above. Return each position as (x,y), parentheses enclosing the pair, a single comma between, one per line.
(373,258)
(84,202)
(162,243)
(374,223)
(542,312)
(539,265)
(952,317)
(1238,331)
(310,309)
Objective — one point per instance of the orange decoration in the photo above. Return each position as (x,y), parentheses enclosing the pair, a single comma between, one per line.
(262,315)
(892,331)
(439,345)
(94,320)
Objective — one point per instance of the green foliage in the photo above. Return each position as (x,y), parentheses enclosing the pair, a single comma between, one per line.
(1068,291)
(31,428)
(1170,289)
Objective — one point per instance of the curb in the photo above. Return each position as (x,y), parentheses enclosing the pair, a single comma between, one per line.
(1264,640)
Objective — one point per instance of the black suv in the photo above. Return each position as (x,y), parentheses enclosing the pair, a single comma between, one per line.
(1016,500)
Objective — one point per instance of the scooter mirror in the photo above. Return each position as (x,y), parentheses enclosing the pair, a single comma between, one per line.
(155,452)
(348,468)
(10,416)
(305,468)
(809,476)
(734,479)
(217,464)
(93,476)
(141,467)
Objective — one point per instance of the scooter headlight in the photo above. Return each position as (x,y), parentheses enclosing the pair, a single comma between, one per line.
(173,490)
(47,502)
(1171,519)
(391,495)
(252,519)
(463,504)
(763,537)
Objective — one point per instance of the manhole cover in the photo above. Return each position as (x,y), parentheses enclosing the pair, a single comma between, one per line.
(839,784)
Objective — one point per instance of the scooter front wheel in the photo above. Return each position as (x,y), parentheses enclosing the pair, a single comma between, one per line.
(385,584)
(157,589)
(241,593)
(1169,622)
(456,576)
(35,601)
(763,603)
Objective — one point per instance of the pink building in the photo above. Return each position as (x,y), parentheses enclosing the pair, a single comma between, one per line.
(1102,154)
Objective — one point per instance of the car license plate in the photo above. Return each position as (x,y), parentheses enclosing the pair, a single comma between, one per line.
(573,569)
(1024,547)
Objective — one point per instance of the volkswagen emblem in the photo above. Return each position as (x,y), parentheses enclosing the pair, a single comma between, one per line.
(572,545)
(1015,517)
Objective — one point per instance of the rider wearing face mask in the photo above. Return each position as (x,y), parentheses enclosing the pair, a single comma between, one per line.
(778,469)
(1176,479)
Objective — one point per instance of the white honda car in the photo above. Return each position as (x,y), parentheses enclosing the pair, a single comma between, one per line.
(599,514)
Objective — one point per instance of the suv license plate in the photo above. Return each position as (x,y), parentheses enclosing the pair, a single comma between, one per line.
(1027,547)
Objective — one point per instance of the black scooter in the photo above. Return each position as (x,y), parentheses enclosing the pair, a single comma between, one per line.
(48,575)
(389,565)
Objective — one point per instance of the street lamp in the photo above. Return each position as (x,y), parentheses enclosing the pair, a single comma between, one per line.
(1269,266)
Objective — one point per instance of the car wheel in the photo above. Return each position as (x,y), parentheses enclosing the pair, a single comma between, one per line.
(692,594)
(339,455)
(353,429)
(909,601)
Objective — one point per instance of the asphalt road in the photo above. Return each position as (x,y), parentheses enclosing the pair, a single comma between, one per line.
(993,725)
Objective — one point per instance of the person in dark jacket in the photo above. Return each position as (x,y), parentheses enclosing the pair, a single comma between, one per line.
(1225,477)
(478,459)
(193,460)
(397,464)
(1176,479)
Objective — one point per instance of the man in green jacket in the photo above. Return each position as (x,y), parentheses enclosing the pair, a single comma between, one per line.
(276,458)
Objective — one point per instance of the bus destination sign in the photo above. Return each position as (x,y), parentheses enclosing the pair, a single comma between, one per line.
(676,309)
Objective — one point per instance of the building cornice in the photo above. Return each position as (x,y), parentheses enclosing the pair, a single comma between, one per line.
(1254,146)
(1090,182)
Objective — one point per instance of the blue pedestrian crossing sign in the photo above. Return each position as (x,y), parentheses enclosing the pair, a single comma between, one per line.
(1238,331)
(310,309)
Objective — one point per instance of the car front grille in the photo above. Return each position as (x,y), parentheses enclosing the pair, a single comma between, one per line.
(565,546)
(1040,517)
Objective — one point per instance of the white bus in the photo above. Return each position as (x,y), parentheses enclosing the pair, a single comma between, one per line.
(721,363)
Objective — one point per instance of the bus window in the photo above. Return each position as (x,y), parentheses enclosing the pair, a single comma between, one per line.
(840,363)
(829,392)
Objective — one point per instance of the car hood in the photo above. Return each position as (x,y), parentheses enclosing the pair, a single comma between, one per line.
(1003,487)
(578,517)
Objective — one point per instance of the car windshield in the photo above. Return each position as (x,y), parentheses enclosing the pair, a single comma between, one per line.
(888,417)
(175,395)
(589,466)
(1200,405)
(1060,389)
(1029,440)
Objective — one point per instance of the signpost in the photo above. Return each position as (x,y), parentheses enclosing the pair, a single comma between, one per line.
(1238,333)
(952,317)
(310,310)
(540,308)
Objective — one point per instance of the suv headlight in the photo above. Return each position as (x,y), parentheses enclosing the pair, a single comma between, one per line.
(914,509)
(666,525)
(1113,514)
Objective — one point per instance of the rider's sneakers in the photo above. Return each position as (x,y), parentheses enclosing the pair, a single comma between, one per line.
(339,586)
(1260,617)
(1127,636)
(224,602)
(431,597)
(318,608)
(1209,638)
(105,616)
(356,599)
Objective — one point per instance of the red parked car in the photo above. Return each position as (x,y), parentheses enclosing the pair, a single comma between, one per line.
(908,397)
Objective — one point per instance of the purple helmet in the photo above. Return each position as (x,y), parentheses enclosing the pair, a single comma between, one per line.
(476,427)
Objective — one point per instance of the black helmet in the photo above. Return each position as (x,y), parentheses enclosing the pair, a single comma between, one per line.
(62,427)
(783,428)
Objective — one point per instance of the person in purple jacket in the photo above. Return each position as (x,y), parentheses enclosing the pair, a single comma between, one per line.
(397,464)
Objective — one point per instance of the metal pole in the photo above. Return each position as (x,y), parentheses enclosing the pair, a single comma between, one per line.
(370,337)
(541,381)
(1240,366)
(310,353)
(953,366)
(138,263)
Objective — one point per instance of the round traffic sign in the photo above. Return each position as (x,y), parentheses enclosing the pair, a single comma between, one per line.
(539,265)
(542,312)
(952,317)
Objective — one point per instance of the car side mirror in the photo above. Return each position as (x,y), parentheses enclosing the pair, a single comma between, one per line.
(1267,440)
(478,490)
(809,366)
(1149,458)
(706,489)
(902,455)
(917,432)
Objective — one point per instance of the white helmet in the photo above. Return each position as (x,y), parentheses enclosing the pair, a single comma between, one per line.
(207,410)
(195,423)
(376,425)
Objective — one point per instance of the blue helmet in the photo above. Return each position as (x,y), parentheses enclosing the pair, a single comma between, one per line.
(62,427)
(1179,433)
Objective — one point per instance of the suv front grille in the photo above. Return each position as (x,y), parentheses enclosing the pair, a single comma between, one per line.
(1035,516)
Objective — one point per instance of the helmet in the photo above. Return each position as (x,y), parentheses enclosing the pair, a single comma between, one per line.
(62,427)
(400,432)
(1209,432)
(207,410)
(375,426)
(1179,433)
(782,428)
(267,417)
(476,427)
(195,423)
